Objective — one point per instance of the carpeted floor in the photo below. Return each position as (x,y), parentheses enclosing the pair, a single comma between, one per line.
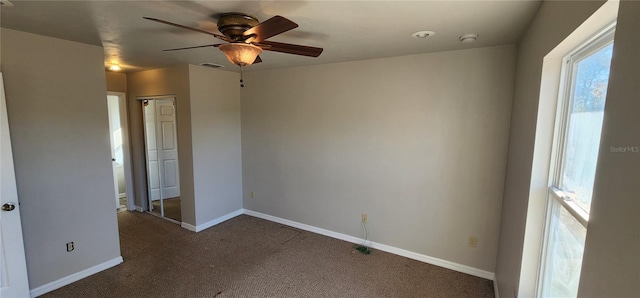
(251,257)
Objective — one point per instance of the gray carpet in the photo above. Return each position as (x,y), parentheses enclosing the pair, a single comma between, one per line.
(251,257)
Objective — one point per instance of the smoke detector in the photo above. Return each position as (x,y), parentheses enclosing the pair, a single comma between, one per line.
(468,38)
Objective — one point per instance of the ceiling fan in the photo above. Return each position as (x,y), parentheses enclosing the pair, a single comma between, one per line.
(246,37)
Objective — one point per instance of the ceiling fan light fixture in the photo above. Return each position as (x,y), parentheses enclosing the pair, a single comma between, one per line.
(115,66)
(240,53)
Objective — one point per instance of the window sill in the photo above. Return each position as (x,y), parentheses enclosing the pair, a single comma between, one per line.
(568,203)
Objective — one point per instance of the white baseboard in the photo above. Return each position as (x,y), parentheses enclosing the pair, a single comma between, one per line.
(187,226)
(41,290)
(495,288)
(383,247)
(213,222)
(138,208)
(305,227)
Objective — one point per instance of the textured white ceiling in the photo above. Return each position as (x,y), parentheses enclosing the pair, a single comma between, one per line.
(347,30)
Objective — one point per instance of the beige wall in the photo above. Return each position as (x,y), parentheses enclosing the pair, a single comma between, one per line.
(611,266)
(116,81)
(215,128)
(165,81)
(60,139)
(419,143)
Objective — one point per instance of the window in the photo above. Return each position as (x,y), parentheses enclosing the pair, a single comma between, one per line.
(577,140)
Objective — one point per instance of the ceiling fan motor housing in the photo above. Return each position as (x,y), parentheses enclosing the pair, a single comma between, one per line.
(235,24)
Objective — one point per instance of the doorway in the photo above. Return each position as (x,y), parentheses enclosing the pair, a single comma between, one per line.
(161,148)
(120,154)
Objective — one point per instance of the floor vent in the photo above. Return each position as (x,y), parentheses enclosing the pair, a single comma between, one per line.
(212,65)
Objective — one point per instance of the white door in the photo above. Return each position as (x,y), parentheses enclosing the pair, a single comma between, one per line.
(13,269)
(153,175)
(167,144)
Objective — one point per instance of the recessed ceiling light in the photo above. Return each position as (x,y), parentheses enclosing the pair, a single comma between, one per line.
(468,38)
(423,34)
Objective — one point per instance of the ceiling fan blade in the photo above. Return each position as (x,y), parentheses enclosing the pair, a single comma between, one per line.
(269,28)
(195,47)
(258,60)
(290,48)
(222,37)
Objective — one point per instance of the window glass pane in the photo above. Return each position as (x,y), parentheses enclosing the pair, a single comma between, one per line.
(564,254)
(586,111)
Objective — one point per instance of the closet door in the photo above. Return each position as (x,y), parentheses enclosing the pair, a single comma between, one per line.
(167,145)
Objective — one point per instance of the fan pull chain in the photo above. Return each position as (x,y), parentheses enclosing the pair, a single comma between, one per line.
(241,74)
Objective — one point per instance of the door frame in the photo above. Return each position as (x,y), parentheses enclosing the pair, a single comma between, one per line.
(126,147)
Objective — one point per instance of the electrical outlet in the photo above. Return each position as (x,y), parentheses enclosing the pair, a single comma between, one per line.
(253,195)
(473,241)
(364,218)
(70,246)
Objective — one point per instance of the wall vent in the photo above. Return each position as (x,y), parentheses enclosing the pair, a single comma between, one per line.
(212,65)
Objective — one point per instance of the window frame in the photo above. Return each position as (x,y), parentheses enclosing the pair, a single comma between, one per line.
(565,98)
